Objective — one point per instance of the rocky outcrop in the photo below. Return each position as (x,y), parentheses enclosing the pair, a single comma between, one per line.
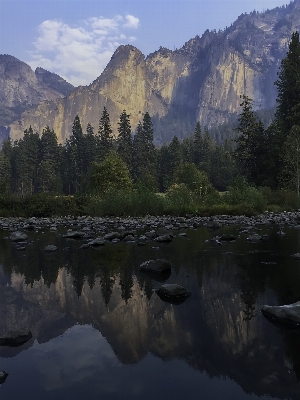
(21,88)
(204,79)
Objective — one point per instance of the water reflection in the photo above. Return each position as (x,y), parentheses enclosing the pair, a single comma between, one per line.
(218,331)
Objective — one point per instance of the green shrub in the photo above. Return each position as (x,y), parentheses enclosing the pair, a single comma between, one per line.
(250,198)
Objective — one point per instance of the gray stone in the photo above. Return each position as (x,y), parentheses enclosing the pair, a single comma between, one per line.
(150,234)
(172,290)
(112,235)
(74,235)
(254,238)
(15,337)
(129,238)
(159,265)
(3,376)
(18,236)
(227,238)
(164,238)
(99,241)
(288,314)
(50,248)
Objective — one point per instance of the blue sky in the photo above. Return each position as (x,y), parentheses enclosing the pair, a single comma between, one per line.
(76,38)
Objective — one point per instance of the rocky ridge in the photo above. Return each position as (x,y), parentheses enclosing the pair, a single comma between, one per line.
(204,79)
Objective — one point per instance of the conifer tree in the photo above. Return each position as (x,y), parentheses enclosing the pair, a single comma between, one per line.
(27,161)
(75,157)
(288,86)
(105,135)
(198,145)
(249,141)
(144,150)
(49,165)
(124,141)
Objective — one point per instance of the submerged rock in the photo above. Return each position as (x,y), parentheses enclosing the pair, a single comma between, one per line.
(227,238)
(15,337)
(3,376)
(158,266)
(287,314)
(50,248)
(18,236)
(74,235)
(173,293)
(164,238)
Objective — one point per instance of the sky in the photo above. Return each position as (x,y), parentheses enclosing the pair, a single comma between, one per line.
(76,38)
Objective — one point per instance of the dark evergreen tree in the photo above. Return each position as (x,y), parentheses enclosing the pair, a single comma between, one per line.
(124,142)
(49,165)
(75,158)
(144,154)
(288,86)
(249,142)
(198,145)
(105,136)
(27,162)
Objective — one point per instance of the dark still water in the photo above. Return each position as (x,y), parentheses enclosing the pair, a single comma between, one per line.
(101,332)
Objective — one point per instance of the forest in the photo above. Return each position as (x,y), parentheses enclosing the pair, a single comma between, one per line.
(121,173)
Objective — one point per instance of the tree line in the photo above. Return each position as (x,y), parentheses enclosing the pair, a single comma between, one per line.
(92,162)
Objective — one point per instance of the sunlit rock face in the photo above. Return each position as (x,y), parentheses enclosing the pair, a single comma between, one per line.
(21,87)
(204,78)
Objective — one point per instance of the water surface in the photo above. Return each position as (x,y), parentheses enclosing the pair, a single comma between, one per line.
(101,332)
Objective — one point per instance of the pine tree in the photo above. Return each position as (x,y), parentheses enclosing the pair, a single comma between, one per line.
(49,164)
(248,142)
(124,142)
(198,145)
(144,150)
(105,135)
(27,162)
(290,175)
(75,153)
(288,86)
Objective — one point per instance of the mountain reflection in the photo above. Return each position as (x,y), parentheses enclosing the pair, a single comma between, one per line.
(218,330)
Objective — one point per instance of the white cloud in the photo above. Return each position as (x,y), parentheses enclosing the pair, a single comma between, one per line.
(80,53)
(132,22)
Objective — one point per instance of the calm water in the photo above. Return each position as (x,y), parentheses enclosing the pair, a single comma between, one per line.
(101,332)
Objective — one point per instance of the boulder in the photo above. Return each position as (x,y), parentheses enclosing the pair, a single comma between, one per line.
(112,235)
(213,225)
(158,266)
(164,238)
(227,238)
(173,293)
(129,238)
(3,376)
(15,337)
(74,235)
(99,241)
(254,238)
(18,236)
(287,314)
(50,248)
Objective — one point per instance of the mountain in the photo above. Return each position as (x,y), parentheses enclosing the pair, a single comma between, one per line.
(203,80)
(21,88)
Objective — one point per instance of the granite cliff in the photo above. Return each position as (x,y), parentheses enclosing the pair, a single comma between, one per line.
(21,88)
(202,80)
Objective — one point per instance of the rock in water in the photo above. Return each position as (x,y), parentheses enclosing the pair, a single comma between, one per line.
(173,291)
(50,248)
(164,238)
(3,376)
(287,314)
(18,236)
(159,265)
(15,337)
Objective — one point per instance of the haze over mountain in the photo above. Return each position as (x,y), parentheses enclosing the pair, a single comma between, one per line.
(203,80)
